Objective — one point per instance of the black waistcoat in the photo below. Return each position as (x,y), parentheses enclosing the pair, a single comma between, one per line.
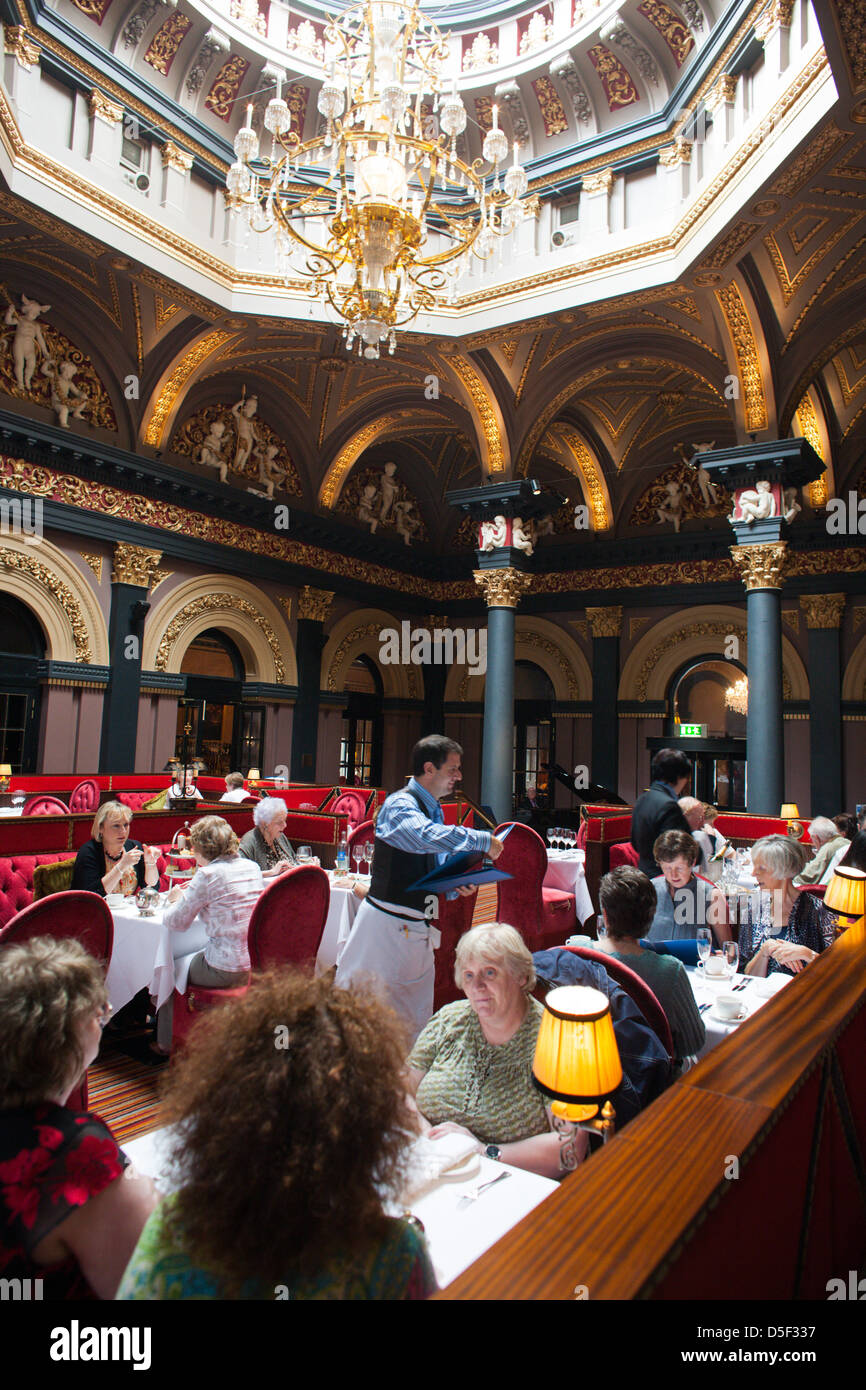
(394,869)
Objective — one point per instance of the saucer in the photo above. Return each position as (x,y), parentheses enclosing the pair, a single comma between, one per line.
(725,1018)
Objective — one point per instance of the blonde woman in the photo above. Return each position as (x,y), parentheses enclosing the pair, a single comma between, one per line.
(111,862)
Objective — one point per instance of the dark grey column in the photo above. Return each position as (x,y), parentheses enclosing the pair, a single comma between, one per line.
(502,590)
(313,605)
(823,621)
(435,678)
(135,569)
(761,566)
(606,626)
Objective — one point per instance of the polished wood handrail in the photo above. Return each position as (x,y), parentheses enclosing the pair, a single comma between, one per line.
(613,1226)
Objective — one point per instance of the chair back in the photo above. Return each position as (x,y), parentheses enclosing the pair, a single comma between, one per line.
(360,835)
(288,920)
(85,917)
(455,918)
(351,804)
(623,853)
(190,1007)
(518,899)
(45,806)
(637,988)
(85,797)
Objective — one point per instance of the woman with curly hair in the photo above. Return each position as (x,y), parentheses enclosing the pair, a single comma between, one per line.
(308,1079)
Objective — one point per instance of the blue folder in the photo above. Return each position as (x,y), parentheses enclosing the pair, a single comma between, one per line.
(684,950)
(458,871)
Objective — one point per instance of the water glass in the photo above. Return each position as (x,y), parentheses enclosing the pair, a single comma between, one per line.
(600,927)
(731,953)
(305,854)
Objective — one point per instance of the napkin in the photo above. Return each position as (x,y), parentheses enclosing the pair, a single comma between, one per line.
(771,984)
(432,1159)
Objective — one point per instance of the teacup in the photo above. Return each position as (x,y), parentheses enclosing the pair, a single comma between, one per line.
(114,899)
(729,1006)
(716,966)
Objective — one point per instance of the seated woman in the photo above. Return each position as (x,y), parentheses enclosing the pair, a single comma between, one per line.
(235,790)
(185,791)
(266,844)
(470,1069)
(795,927)
(110,862)
(307,1078)
(628,902)
(222,895)
(711,841)
(684,902)
(65,1216)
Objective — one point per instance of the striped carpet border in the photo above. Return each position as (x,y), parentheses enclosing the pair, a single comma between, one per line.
(125,1094)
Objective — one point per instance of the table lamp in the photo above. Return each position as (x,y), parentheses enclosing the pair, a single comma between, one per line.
(5,776)
(846,895)
(790,811)
(577,1064)
(253,776)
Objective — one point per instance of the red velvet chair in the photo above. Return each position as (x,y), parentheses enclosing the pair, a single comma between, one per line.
(351,804)
(623,853)
(360,835)
(289,918)
(455,918)
(543,916)
(190,1007)
(639,990)
(85,797)
(83,916)
(45,806)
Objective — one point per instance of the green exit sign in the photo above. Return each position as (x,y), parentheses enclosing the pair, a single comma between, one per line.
(692,730)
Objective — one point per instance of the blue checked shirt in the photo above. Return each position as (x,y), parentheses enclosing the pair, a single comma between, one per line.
(403,824)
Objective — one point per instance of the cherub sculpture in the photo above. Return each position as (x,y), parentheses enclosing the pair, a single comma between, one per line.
(211,451)
(406,519)
(66,397)
(791,505)
(493,533)
(367,506)
(389,490)
(28,337)
(756,503)
(521,536)
(270,473)
(705,483)
(672,506)
(243,411)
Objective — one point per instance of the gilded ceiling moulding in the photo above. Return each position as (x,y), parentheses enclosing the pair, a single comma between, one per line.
(172,388)
(209,603)
(748,363)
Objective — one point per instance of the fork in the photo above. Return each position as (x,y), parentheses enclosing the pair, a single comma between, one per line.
(474,1193)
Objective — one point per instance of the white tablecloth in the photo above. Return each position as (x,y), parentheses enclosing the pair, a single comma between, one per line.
(342,910)
(147,955)
(565,872)
(754,997)
(455,1235)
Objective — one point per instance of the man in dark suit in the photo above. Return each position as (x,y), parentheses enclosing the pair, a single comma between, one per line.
(657,809)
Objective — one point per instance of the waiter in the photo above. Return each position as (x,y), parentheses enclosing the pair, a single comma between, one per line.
(392,939)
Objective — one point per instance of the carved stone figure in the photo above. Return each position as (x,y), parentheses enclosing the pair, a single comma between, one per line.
(270,473)
(389,490)
(211,451)
(756,503)
(672,507)
(66,397)
(367,507)
(792,506)
(705,483)
(243,411)
(522,537)
(406,519)
(28,337)
(493,533)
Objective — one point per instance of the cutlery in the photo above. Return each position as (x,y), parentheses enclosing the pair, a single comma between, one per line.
(474,1193)
(742,985)
(703,1007)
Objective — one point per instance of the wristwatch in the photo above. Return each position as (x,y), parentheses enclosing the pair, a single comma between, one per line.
(493,1151)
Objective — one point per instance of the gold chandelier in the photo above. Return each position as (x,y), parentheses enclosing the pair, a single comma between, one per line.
(398,214)
(737,696)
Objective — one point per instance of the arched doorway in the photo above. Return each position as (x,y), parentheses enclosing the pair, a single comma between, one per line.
(361,734)
(697,700)
(22,647)
(534,729)
(223,733)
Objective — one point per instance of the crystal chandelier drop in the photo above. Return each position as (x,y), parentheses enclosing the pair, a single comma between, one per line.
(383,213)
(737,696)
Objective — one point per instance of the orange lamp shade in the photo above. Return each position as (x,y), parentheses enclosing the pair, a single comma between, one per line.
(846,892)
(5,769)
(576,1056)
(254,775)
(790,811)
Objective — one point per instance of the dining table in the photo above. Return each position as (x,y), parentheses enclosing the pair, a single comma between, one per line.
(458,1225)
(566,871)
(147,955)
(754,991)
(342,910)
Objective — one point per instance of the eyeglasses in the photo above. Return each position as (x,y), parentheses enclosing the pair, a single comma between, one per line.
(105,1015)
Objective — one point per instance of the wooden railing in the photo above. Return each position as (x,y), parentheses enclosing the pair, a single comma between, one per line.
(745,1180)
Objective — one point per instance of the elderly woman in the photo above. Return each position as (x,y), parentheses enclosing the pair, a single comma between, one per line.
(628,902)
(235,790)
(308,1078)
(684,902)
(470,1070)
(65,1217)
(796,926)
(265,843)
(111,862)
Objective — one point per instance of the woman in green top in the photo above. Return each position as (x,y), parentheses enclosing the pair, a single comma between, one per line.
(471,1068)
(628,902)
(292,1130)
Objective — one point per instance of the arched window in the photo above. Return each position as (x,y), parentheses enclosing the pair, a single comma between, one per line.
(534,728)
(22,647)
(361,735)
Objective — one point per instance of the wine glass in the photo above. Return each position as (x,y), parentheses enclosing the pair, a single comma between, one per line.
(705,945)
(357,855)
(551,835)
(570,838)
(731,953)
(369,846)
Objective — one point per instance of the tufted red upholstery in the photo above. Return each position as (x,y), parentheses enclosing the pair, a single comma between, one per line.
(543,916)
(45,806)
(16,878)
(135,800)
(85,797)
(351,804)
(289,918)
(623,853)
